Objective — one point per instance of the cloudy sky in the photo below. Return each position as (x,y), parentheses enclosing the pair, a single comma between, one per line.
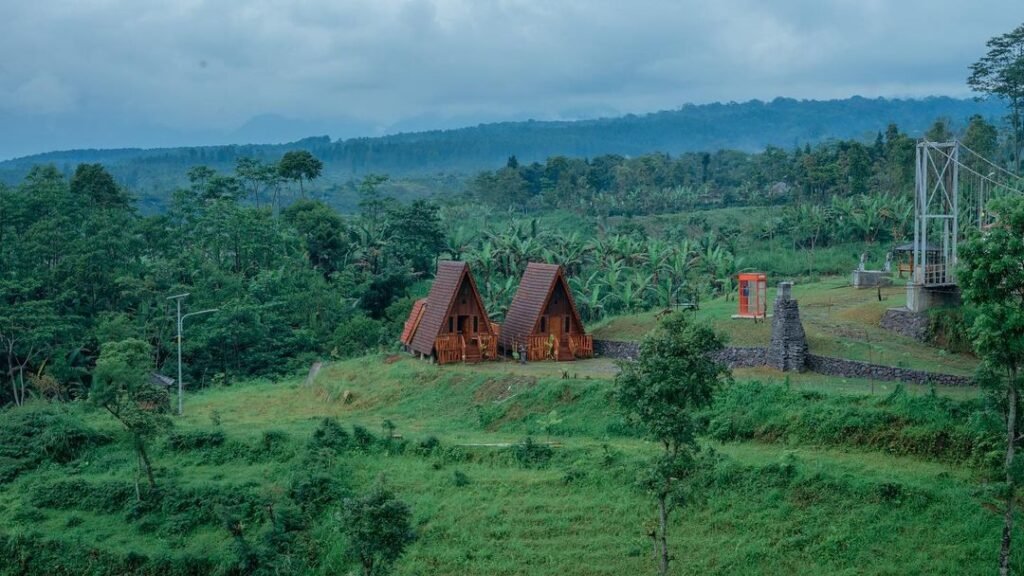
(102,73)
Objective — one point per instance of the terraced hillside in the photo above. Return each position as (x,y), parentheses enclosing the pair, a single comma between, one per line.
(796,478)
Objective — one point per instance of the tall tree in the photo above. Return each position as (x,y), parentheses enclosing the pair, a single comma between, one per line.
(1000,74)
(660,393)
(992,280)
(300,165)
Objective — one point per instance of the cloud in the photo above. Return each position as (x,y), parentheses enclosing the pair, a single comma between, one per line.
(196,66)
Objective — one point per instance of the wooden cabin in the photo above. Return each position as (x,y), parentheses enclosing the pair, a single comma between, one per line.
(451,323)
(543,319)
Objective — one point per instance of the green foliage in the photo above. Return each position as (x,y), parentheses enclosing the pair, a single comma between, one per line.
(949,329)
(674,377)
(924,426)
(378,526)
(182,441)
(330,435)
(531,454)
(39,433)
(1000,74)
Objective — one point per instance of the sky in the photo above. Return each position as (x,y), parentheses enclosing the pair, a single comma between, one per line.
(126,73)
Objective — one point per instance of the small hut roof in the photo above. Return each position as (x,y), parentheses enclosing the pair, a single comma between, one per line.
(415,316)
(449,277)
(531,298)
(161,381)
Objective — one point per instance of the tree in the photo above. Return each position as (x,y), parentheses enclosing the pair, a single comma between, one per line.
(991,277)
(121,386)
(660,393)
(300,165)
(417,234)
(323,232)
(378,526)
(258,177)
(92,183)
(1000,74)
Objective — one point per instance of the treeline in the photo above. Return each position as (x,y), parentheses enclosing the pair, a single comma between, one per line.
(616,185)
(79,267)
(749,126)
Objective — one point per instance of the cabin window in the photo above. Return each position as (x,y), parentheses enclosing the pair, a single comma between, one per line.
(543,323)
(476,324)
(565,325)
(451,324)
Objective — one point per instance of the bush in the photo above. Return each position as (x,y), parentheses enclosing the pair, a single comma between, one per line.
(37,433)
(530,454)
(427,446)
(363,438)
(314,492)
(460,479)
(330,435)
(195,440)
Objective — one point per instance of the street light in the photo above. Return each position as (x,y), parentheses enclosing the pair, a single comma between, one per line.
(181,321)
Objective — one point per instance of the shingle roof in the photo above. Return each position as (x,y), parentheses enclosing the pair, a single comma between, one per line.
(442,294)
(531,298)
(415,315)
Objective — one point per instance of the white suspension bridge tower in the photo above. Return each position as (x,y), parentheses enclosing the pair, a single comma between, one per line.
(952,183)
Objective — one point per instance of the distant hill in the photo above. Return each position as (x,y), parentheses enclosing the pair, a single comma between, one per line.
(748,126)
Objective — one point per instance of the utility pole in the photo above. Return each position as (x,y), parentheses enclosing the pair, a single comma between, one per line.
(181,323)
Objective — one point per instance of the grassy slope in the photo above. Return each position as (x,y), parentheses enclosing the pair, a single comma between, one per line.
(839,321)
(510,520)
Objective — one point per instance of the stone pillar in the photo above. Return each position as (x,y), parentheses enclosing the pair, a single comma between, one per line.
(787,350)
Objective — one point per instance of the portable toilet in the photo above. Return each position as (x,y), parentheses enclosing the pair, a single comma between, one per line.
(753,295)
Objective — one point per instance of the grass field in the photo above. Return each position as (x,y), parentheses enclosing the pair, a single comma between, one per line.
(839,320)
(774,504)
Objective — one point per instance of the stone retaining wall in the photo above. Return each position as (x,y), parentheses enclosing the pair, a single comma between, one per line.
(906,323)
(744,357)
(616,349)
(854,369)
(737,357)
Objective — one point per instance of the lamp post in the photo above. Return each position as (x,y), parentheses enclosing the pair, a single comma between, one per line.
(181,323)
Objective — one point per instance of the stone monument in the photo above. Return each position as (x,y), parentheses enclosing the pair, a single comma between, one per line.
(787,350)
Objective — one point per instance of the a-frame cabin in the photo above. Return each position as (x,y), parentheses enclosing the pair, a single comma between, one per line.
(451,324)
(543,320)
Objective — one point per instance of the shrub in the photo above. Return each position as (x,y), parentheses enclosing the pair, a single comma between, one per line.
(428,446)
(460,479)
(330,435)
(363,438)
(195,440)
(37,433)
(530,454)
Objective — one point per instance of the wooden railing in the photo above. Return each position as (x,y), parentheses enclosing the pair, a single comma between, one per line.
(541,348)
(450,348)
(488,346)
(582,345)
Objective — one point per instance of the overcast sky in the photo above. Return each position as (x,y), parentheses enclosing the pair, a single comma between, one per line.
(82,73)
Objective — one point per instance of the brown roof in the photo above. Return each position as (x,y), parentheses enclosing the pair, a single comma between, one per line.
(418,307)
(449,278)
(531,298)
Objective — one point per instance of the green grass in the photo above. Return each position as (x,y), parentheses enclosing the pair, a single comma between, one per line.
(760,507)
(839,320)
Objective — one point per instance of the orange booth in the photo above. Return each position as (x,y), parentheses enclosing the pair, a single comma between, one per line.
(753,295)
